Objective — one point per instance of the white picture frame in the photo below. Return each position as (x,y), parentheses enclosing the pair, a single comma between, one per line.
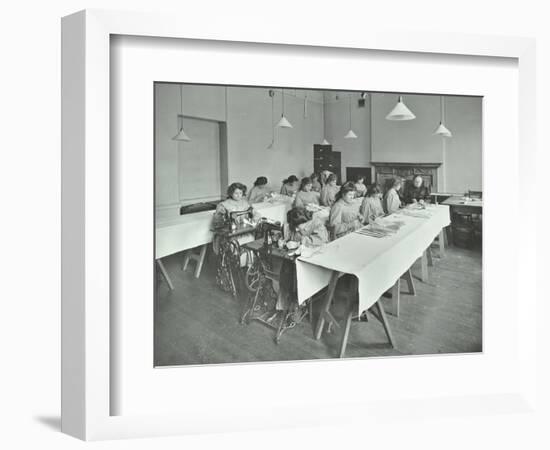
(86,246)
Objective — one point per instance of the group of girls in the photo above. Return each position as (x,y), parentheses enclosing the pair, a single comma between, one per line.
(344,215)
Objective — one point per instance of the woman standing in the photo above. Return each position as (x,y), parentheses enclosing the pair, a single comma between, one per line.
(344,214)
(371,208)
(306,196)
(329,191)
(392,202)
(259,191)
(290,186)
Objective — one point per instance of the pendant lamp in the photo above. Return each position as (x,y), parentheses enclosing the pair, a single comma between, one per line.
(400,111)
(350,134)
(181,136)
(284,123)
(324,141)
(442,130)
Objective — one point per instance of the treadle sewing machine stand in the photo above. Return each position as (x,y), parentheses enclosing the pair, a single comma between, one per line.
(229,275)
(262,308)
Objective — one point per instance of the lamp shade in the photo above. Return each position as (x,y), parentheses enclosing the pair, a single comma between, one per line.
(400,112)
(442,130)
(181,136)
(284,123)
(350,135)
(325,142)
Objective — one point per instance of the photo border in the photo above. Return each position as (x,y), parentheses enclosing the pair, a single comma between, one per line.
(86,198)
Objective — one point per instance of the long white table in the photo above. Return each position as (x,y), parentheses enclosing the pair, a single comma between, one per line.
(377,263)
(194,230)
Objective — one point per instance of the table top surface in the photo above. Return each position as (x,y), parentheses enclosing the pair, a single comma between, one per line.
(353,252)
(463,201)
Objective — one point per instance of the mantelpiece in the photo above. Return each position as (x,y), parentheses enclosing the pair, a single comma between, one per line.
(384,172)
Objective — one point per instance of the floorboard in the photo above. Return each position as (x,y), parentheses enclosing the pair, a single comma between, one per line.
(197,323)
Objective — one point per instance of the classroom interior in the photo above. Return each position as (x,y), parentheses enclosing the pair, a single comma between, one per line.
(233,134)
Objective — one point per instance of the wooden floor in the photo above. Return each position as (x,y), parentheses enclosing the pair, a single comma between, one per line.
(197,323)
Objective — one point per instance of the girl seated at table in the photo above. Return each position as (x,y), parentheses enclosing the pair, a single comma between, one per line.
(230,257)
(360,188)
(371,208)
(305,229)
(344,214)
(329,191)
(235,202)
(306,196)
(392,201)
(315,183)
(260,191)
(290,186)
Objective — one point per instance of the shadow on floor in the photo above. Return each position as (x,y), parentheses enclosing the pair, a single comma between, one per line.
(52,422)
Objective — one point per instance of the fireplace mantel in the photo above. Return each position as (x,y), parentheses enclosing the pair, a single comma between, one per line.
(386,171)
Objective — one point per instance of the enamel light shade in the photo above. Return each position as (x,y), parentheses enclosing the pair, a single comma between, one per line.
(182,135)
(442,130)
(400,112)
(350,134)
(284,123)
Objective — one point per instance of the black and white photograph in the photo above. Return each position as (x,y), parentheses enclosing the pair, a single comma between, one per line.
(303,224)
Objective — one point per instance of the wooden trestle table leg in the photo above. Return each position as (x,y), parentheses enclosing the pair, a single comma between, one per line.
(325,309)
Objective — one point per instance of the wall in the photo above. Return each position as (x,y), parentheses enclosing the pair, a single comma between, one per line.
(407,140)
(355,152)
(250,133)
(205,102)
(463,152)
(413,140)
(247,114)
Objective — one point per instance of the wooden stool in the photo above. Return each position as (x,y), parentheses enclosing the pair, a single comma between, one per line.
(190,255)
(351,300)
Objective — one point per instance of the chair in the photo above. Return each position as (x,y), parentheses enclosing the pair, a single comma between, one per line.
(463,228)
(475,194)
(476,218)
(331,234)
